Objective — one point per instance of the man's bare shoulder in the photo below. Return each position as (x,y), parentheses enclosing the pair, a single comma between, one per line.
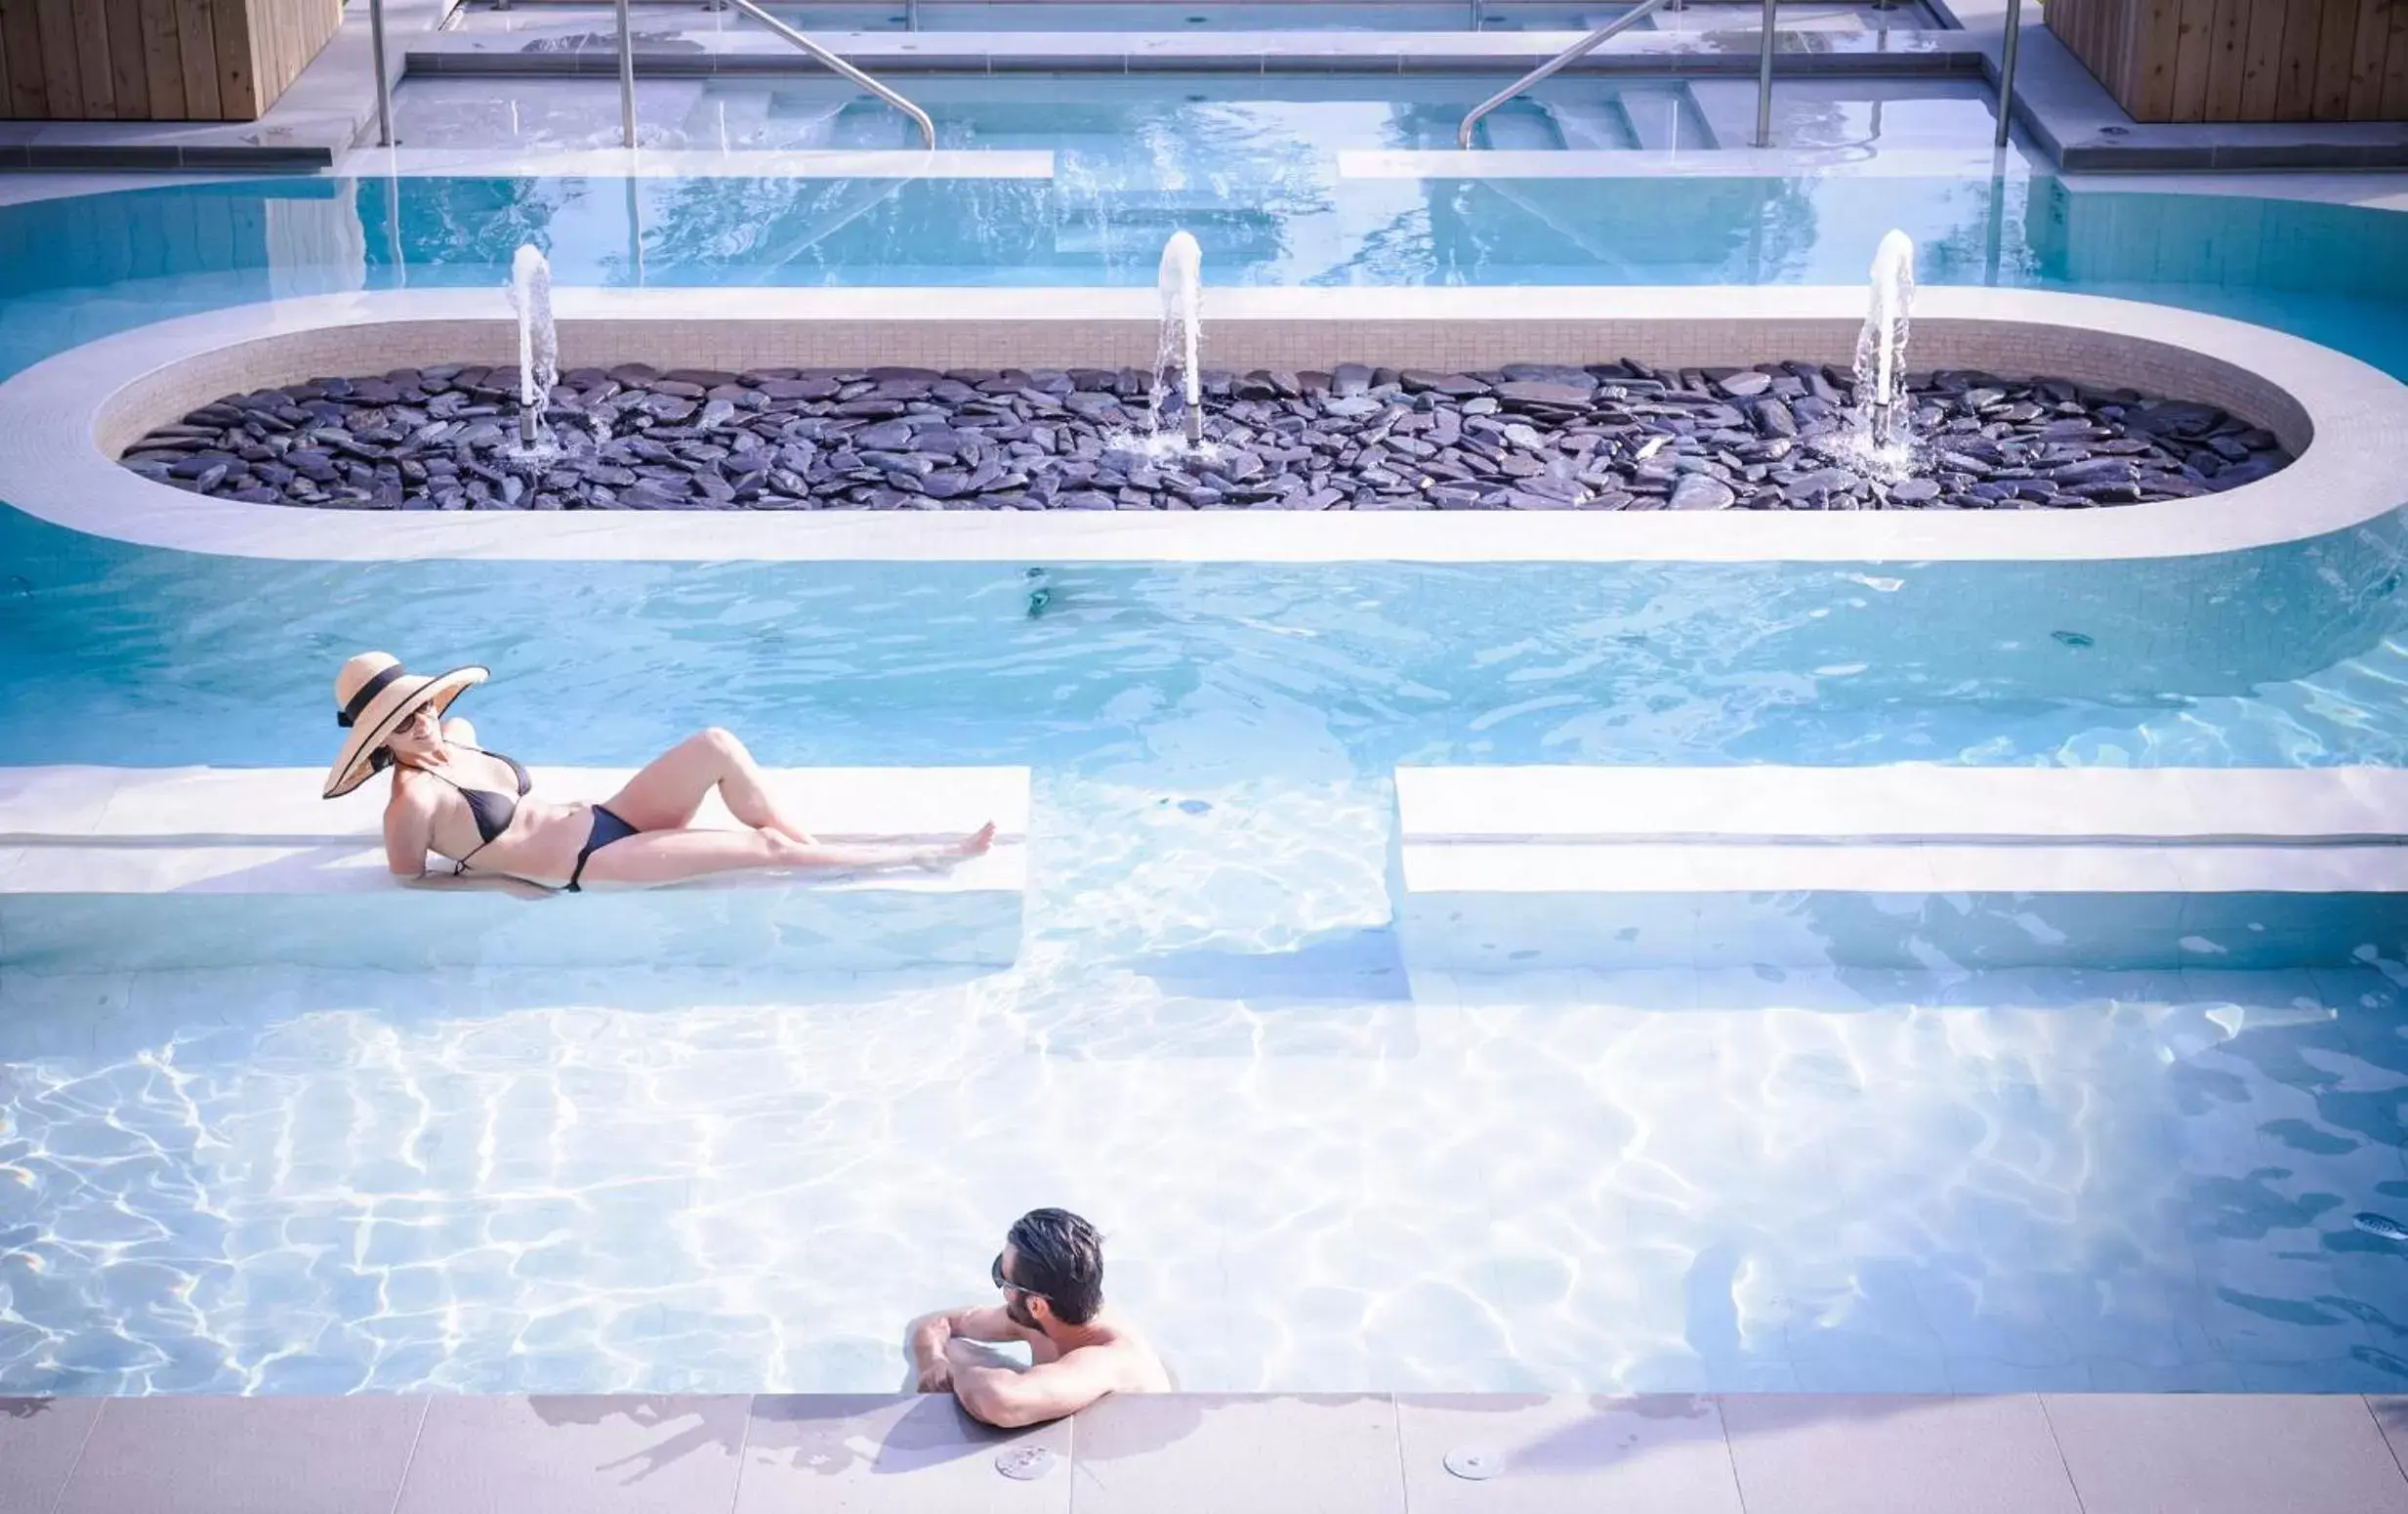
(1129,1359)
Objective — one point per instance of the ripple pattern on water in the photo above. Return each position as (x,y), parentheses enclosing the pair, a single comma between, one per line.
(1316,1171)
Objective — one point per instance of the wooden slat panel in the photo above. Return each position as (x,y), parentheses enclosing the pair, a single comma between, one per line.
(2111,29)
(61,79)
(2068,21)
(237,83)
(301,30)
(28,93)
(2366,55)
(268,25)
(2152,67)
(2227,32)
(196,54)
(2393,105)
(2064,20)
(2114,27)
(128,79)
(2117,26)
(2295,96)
(2329,101)
(162,70)
(2193,43)
(2261,69)
(6,92)
(92,70)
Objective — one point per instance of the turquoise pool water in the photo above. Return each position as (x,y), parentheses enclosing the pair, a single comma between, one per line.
(1317,1170)
(1259,16)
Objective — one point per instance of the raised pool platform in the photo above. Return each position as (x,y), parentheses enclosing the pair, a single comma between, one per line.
(2345,421)
(1510,868)
(193,868)
(1205,1454)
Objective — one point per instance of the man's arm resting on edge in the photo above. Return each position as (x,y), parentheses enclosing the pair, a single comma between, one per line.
(1008,1398)
(926,1337)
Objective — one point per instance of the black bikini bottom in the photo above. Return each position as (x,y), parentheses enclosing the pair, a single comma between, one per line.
(607,828)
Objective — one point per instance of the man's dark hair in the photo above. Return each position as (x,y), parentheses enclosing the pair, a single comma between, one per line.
(1060,1256)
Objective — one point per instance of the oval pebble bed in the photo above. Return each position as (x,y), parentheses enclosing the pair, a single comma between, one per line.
(1526,437)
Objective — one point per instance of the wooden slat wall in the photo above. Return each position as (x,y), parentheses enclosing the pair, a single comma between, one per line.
(163,60)
(2243,59)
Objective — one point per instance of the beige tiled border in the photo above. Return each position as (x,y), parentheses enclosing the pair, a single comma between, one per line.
(1184,1453)
(2349,420)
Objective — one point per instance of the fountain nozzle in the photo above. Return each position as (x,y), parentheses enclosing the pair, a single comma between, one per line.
(539,342)
(1884,412)
(1181,282)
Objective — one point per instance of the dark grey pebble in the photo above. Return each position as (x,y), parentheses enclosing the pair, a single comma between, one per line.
(1532,436)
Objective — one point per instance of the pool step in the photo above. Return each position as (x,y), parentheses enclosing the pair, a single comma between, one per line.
(1908,866)
(186,867)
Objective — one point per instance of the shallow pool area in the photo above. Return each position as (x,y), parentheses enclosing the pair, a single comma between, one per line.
(1320,1162)
(1313,1173)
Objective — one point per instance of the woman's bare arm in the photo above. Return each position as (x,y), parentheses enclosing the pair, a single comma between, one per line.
(409,830)
(409,836)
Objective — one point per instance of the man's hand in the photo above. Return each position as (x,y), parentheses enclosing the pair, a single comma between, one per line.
(929,1338)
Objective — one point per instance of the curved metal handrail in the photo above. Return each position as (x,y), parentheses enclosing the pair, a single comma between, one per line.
(1547,69)
(927,128)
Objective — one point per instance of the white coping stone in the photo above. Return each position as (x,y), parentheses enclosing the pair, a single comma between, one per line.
(1839,162)
(2354,469)
(197,850)
(1514,868)
(697,163)
(1905,803)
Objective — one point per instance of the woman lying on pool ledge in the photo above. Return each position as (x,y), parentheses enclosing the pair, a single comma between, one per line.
(454,798)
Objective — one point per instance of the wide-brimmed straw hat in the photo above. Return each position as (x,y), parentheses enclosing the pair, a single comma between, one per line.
(373,695)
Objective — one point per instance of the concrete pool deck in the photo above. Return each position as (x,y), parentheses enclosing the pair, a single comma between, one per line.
(1332,1453)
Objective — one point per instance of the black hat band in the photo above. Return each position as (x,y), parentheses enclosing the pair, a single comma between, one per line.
(350,713)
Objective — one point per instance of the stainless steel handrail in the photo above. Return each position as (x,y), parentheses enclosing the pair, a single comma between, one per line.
(1547,69)
(2007,69)
(1764,78)
(927,128)
(384,80)
(627,80)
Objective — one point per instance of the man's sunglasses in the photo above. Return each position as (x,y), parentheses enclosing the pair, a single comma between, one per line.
(995,1270)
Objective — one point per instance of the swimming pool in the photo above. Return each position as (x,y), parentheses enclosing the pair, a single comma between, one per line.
(1316,1169)
(1248,16)
(1186,138)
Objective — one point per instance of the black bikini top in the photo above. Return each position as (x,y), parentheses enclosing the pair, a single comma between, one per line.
(490,808)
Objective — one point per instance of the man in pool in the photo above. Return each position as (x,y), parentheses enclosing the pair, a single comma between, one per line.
(1051,1271)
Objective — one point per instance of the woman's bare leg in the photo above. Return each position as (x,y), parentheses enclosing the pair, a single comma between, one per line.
(667,793)
(675,856)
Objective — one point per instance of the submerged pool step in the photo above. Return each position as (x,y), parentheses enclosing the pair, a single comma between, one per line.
(1910,866)
(179,867)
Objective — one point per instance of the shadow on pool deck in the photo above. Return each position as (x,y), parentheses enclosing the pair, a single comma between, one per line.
(1380,1453)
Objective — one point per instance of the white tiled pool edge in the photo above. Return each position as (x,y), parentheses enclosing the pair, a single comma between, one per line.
(174,867)
(1519,868)
(110,390)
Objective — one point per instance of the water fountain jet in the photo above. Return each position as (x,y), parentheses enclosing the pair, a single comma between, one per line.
(1882,411)
(539,342)
(1181,279)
